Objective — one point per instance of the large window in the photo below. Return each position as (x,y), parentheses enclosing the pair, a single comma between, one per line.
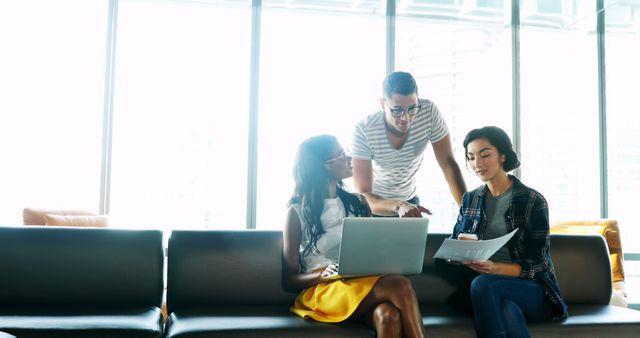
(320,77)
(461,58)
(559,90)
(623,121)
(180,149)
(181,114)
(52,66)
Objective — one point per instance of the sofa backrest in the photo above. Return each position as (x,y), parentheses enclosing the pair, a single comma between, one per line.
(583,268)
(80,266)
(225,267)
(429,286)
(244,267)
(581,262)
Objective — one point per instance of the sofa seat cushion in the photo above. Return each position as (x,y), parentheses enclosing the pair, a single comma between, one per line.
(442,321)
(255,321)
(61,321)
(598,321)
(604,321)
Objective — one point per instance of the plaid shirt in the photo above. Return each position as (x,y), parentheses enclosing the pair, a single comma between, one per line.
(528,212)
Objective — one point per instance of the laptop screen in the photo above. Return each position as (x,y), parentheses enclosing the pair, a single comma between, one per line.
(382,245)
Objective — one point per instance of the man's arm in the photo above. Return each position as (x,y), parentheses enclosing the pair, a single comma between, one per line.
(444,155)
(363,182)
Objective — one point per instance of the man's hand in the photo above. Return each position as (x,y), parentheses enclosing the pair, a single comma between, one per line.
(405,209)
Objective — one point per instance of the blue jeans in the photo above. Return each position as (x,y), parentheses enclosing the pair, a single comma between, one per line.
(502,305)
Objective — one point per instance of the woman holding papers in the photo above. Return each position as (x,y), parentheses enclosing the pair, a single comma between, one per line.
(518,283)
(311,244)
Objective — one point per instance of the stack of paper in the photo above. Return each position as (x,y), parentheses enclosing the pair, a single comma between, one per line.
(470,250)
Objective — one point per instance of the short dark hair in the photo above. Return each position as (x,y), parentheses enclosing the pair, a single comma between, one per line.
(497,138)
(401,83)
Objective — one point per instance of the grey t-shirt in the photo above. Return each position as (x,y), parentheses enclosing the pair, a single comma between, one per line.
(495,210)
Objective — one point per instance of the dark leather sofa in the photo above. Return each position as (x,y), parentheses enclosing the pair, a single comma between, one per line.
(81,282)
(228,284)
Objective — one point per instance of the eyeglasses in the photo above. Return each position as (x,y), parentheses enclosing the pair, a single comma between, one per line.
(399,112)
(343,156)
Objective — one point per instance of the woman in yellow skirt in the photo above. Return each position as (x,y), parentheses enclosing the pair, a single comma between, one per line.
(388,303)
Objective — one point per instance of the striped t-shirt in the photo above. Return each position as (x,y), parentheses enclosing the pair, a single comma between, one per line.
(394,170)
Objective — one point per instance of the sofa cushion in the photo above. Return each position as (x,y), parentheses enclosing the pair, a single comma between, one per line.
(430,287)
(441,321)
(77,220)
(584,321)
(605,227)
(80,266)
(582,267)
(241,267)
(33,216)
(255,321)
(611,232)
(594,321)
(66,321)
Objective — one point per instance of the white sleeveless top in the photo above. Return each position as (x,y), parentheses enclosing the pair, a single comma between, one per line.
(328,244)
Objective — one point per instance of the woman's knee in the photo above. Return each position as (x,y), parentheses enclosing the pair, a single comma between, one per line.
(386,316)
(397,290)
(481,285)
(397,284)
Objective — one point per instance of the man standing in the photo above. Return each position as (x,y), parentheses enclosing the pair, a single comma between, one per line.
(388,147)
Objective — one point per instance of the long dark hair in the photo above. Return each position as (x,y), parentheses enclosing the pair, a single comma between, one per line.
(312,179)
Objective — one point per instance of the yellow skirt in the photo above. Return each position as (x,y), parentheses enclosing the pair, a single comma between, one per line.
(333,301)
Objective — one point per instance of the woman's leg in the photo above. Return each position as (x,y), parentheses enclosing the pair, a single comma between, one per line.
(503,304)
(397,292)
(385,320)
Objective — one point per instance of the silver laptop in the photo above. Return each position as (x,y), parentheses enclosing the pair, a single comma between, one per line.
(382,245)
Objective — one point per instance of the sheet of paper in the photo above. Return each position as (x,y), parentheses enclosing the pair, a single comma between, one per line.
(481,250)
